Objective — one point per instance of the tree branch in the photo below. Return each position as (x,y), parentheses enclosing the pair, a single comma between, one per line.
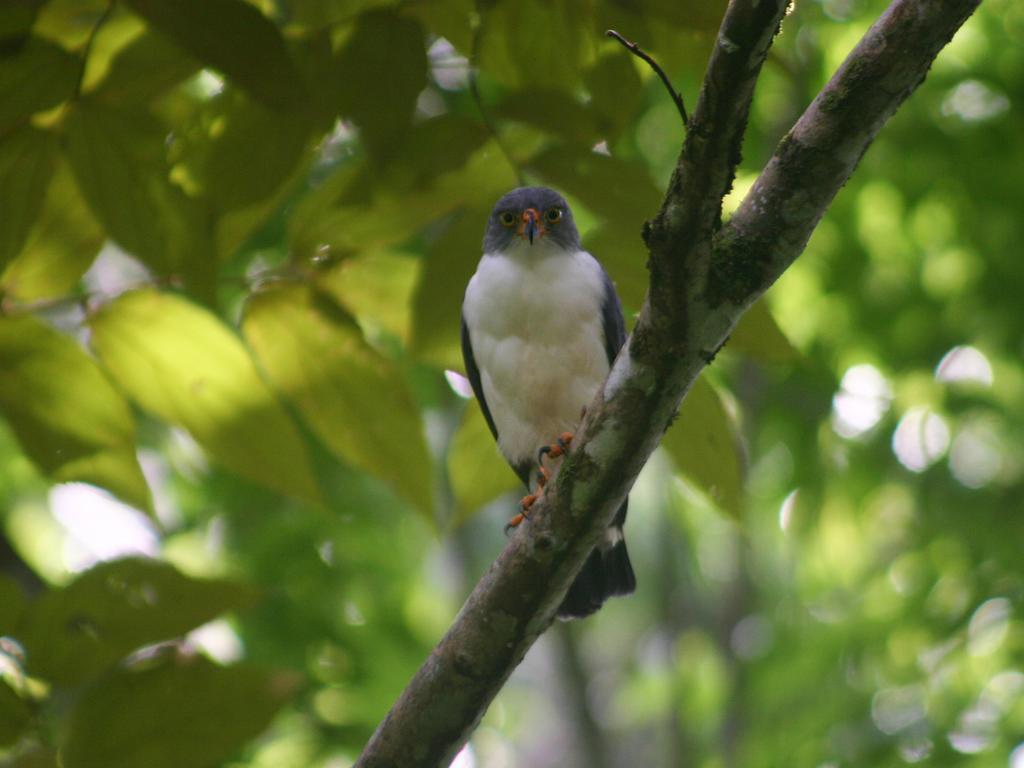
(703,276)
(814,160)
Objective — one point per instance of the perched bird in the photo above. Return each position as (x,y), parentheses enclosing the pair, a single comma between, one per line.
(541,326)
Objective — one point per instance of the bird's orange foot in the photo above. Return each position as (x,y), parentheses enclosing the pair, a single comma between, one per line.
(514,522)
(524,507)
(558,448)
(528,501)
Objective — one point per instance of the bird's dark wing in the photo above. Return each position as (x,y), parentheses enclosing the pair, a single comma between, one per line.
(611,319)
(474,377)
(607,571)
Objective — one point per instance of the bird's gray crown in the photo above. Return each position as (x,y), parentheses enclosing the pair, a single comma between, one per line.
(562,233)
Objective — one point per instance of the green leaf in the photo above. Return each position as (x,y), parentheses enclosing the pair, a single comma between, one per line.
(60,247)
(74,633)
(346,213)
(34,756)
(26,165)
(143,70)
(449,265)
(612,188)
(619,246)
(705,447)
(245,151)
(531,43)
(179,712)
(693,14)
(16,17)
(12,603)
(68,418)
(37,76)
(441,145)
(380,72)
(355,401)
(180,362)
(235,38)
(450,19)
(758,336)
(616,92)
(553,111)
(15,715)
(476,469)
(318,14)
(112,152)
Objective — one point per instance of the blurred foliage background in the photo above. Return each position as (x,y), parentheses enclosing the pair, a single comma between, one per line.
(241,491)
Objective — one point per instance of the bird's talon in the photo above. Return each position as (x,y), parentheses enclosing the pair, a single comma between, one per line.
(559,448)
(514,522)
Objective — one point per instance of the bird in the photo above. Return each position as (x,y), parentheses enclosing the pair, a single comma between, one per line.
(541,326)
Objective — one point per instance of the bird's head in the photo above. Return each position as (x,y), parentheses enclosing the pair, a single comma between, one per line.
(530,217)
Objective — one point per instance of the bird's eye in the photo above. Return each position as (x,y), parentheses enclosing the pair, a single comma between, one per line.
(507,218)
(551,215)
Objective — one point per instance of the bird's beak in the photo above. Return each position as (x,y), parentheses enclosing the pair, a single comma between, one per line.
(531,226)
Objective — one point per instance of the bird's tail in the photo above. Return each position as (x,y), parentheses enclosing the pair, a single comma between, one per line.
(606,573)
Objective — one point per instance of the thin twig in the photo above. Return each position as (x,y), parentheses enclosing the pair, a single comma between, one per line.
(636,50)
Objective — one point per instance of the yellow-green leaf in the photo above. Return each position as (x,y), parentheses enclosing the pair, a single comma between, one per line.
(705,447)
(181,363)
(68,417)
(355,400)
(476,470)
(59,248)
(69,22)
(377,289)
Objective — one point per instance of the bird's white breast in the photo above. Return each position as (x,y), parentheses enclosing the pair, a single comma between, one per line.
(536,330)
